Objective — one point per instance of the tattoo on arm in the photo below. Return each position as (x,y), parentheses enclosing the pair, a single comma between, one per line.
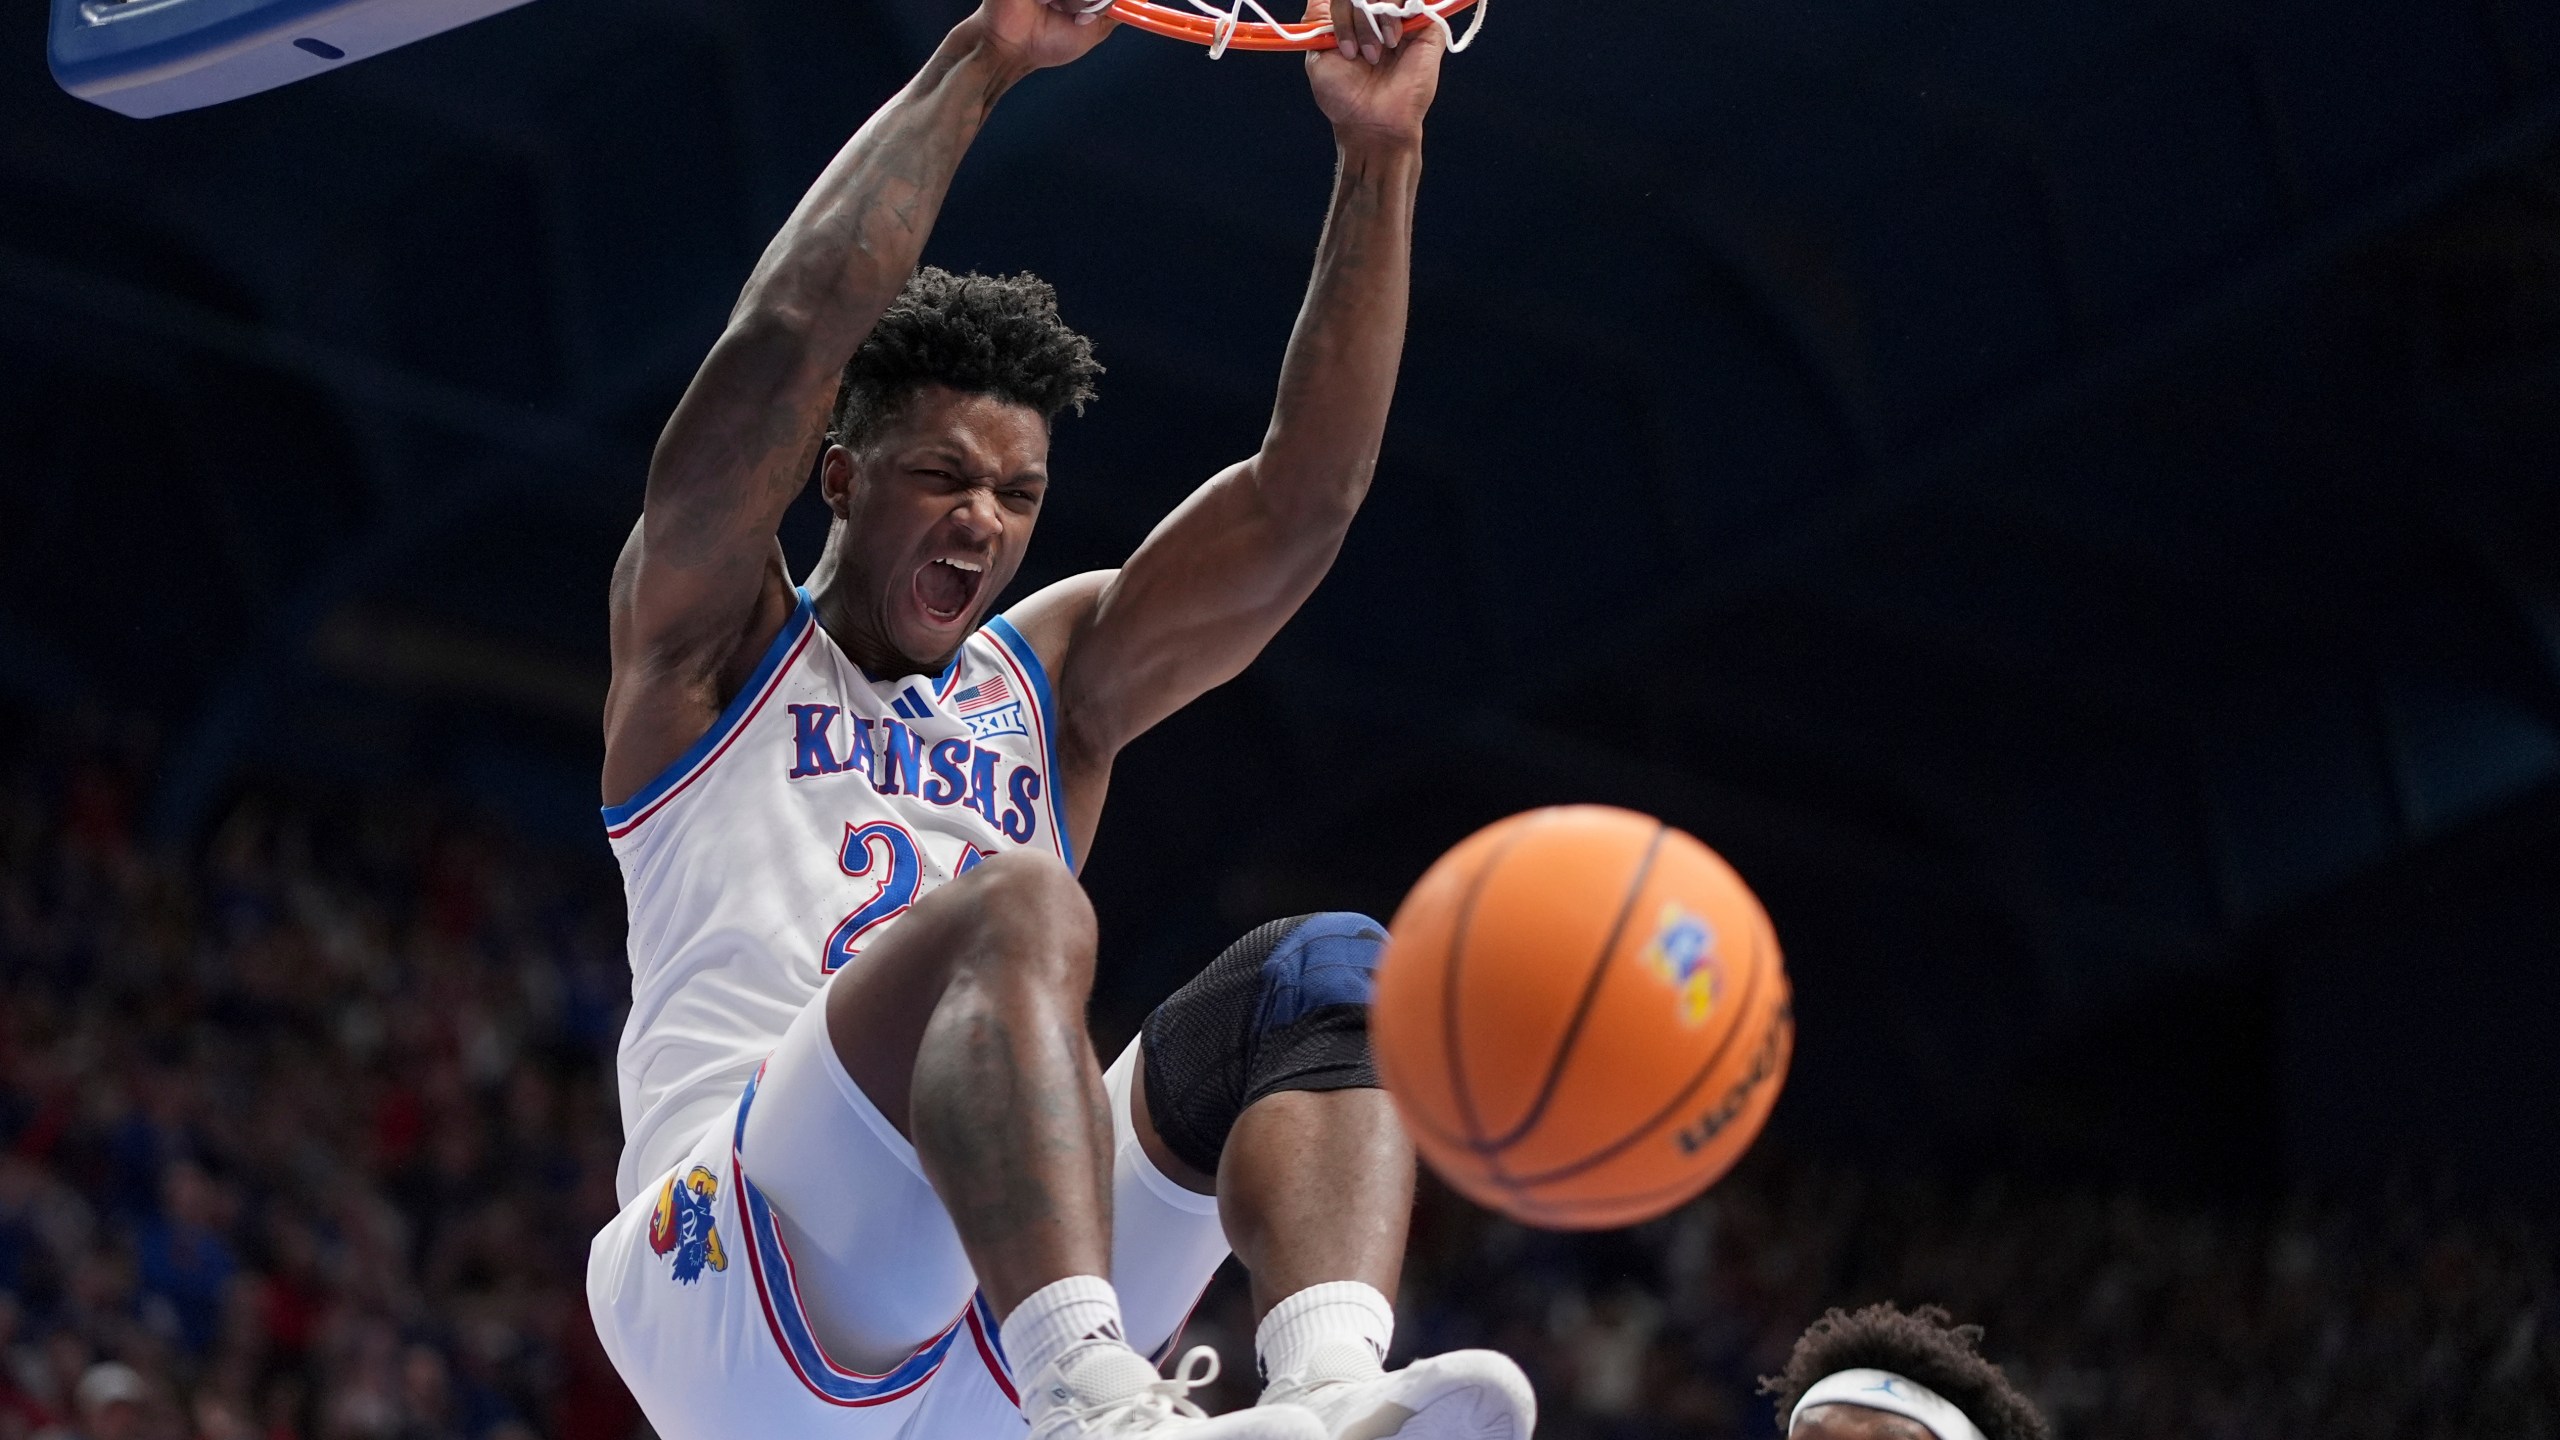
(700,583)
(760,401)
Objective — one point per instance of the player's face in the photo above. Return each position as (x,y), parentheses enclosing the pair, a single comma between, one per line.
(1856,1422)
(937,514)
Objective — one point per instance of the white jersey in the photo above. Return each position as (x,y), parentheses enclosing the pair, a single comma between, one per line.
(818,807)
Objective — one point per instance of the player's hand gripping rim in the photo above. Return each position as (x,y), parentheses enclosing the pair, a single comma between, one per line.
(1357,34)
(1039,34)
(1377,82)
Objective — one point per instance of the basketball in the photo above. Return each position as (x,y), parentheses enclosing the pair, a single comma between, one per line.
(1582,1016)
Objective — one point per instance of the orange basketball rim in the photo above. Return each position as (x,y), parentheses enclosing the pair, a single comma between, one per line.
(1226,27)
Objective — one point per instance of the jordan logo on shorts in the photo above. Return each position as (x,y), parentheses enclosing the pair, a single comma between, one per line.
(683,1225)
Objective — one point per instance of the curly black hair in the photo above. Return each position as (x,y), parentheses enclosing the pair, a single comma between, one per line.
(994,335)
(1921,1345)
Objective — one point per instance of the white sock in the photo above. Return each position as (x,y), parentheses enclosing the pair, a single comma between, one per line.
(1335,1331)
(1056,1318)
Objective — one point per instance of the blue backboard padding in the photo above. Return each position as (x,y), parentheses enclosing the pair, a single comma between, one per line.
(153,57)
(158,33)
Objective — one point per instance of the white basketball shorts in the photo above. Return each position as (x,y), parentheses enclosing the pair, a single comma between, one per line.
(795,1274)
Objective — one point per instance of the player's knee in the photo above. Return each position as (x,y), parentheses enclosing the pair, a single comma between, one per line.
(1284,1008)
(1033,917)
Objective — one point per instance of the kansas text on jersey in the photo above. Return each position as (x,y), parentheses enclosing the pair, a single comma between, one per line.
(819,806)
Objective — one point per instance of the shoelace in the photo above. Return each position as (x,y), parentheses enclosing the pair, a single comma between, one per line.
(1161,1400)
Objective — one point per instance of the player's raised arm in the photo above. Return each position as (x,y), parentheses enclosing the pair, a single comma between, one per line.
(700,589)
(1220,576)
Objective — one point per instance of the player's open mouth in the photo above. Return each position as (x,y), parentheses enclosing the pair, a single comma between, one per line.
(945,589)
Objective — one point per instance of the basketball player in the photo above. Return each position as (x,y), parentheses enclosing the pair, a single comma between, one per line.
(1886,1374)
(875,1181)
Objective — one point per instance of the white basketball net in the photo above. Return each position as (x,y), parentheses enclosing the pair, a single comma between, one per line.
(1384,14)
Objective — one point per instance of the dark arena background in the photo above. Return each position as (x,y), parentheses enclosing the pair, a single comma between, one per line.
(2065,496)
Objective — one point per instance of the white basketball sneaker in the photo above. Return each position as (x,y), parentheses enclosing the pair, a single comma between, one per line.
(1106,1391)
(1463,1395)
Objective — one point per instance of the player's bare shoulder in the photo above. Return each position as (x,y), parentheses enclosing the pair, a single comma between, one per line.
(1050,620)
(669,684)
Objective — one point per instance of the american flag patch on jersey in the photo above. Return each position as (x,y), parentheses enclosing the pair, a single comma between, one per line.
(990,708)
(985,695)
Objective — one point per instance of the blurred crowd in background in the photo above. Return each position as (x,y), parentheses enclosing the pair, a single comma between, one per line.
(302,1137)
(305,1135)
(2124,1319)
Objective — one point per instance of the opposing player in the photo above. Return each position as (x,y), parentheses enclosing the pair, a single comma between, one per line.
(1882,1373)
(876,1182)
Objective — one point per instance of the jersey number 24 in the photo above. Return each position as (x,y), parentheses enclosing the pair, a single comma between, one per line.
(884,854)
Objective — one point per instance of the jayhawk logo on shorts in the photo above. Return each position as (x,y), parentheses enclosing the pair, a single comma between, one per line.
(1683,951)
(683,1225)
